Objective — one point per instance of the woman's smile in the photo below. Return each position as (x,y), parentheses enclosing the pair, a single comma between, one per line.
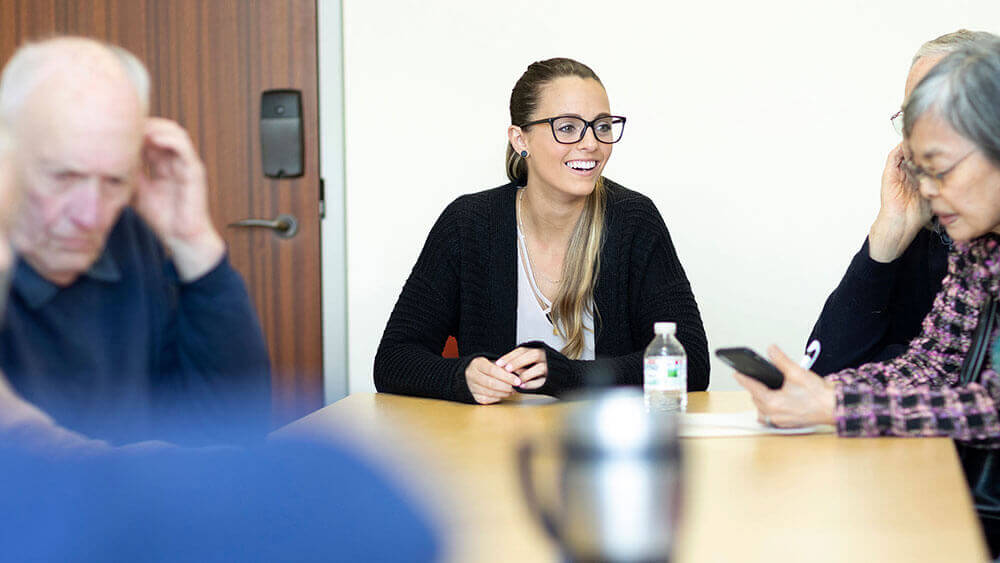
(583,167)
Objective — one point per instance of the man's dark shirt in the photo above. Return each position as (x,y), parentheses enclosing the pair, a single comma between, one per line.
(127,352)
(878,308)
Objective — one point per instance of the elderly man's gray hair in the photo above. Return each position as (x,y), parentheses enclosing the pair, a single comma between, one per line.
(951,42)
(963,90)
(34,61)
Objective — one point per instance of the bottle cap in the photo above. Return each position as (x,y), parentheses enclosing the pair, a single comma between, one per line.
(665,328)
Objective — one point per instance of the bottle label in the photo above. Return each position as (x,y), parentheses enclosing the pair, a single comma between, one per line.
(665,373)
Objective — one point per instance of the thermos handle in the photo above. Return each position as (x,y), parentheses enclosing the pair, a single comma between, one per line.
(525,456)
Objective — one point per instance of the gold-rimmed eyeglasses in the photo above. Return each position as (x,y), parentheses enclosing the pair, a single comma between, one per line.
(937,178)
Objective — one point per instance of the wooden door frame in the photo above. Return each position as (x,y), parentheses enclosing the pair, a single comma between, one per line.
(333,231)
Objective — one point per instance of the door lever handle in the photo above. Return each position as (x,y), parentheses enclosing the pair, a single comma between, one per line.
(284,226)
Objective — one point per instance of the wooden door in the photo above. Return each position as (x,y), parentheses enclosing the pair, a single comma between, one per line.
(209,62)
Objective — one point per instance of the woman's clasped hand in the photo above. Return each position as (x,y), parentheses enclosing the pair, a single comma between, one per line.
(492,382)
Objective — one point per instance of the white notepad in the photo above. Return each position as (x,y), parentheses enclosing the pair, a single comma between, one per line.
(705,425)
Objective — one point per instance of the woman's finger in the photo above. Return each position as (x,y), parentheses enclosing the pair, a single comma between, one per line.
(498,379)
(483,386)
(507,358)
(533,372)
(750,384)
(793,371)
(760,394)
(501,375)
(495,384)
(895,155)
(765,415)
(782,361)
(529,357)
(491,370)
(536,383)
(763,408)
(482,389)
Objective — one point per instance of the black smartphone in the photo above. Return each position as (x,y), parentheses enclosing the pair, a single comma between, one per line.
(750,363)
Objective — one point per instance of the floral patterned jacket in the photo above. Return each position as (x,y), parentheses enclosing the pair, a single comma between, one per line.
(918,393)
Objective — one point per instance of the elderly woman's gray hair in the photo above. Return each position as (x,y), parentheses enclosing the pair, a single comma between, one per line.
(964,91)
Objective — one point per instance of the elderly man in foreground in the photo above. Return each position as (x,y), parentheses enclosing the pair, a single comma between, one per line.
(126,321)
(67,497)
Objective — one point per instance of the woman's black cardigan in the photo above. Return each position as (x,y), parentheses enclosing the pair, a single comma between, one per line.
(464,284)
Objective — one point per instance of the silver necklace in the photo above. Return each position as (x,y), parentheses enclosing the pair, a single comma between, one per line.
(520,223)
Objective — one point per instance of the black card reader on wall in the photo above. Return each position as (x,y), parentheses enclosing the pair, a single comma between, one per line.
(281,133)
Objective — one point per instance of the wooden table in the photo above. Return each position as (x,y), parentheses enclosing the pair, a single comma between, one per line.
(762,498)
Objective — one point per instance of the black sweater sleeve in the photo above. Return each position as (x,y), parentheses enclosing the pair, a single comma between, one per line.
(408,360)
(658,291)
(857,316)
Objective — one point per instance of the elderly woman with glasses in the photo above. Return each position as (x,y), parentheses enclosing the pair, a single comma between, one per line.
(947,382)
(550,282)
(891,282)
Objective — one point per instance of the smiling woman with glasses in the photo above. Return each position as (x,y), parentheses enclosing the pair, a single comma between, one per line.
(550,282)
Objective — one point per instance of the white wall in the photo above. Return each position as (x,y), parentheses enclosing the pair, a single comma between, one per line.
(332,229)
(759,129)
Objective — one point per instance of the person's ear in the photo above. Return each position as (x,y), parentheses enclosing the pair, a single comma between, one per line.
(517,139)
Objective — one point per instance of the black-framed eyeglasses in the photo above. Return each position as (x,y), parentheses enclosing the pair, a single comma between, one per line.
(897,121)
(919,174)
(570,129)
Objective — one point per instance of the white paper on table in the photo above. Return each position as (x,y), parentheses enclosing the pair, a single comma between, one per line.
(704,425)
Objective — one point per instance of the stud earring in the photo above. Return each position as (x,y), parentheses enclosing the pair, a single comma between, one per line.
(524,154)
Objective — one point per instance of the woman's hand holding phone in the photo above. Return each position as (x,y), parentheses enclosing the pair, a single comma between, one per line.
(805,398)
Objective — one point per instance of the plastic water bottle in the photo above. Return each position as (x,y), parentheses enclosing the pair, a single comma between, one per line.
(665,371)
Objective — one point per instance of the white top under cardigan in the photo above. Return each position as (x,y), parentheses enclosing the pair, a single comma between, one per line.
(532,322)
